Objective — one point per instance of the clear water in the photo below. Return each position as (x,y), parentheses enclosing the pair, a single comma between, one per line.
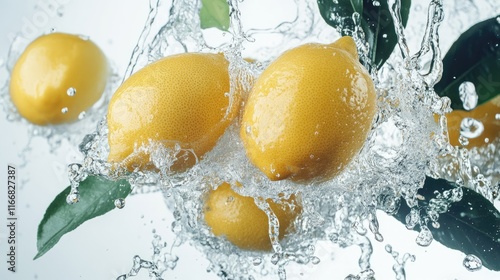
(404,146)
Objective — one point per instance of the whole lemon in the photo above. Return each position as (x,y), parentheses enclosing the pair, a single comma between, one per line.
(179,100)
(309,113)
(487,113)
(242,222)
(57,77)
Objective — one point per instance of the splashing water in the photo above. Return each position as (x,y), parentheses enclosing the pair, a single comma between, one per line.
(404,146)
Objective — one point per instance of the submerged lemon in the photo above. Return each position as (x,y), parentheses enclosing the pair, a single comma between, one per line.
(488,114)
(309,113)
(242,222)
(179,100)
(57,77)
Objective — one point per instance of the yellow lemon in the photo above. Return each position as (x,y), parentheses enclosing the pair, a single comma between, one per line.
(242,222)
(309,113)
(179,100)
(487,113)
(57,77)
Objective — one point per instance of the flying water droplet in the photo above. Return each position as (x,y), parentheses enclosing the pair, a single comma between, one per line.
(71,91)
(472,263)
(424,238)
(471,128)
(468,95)
(119,203)
(376,3)
(64,110)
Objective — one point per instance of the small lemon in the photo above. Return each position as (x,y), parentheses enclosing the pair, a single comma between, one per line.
(242,222)
(57,77)
(487,113)
(309,113)
(179,100)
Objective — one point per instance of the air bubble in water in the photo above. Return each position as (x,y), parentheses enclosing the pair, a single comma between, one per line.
(468,95)
(64,110)
(472,263)
(119,203)
(471,128)
(71,91)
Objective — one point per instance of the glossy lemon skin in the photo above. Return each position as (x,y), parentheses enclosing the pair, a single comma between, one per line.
(486,113)
(179,100)
(45,71)
(309,113)
(242,222)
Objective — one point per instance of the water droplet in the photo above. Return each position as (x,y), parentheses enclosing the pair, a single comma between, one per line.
(64,110)
(73,198)
(464,141)
(71,91)
(388,248)
(412,219)
(315,260)
(257,261)
(424,237)
(468,95)
(119,203)
(248,129)
(230,199)
(472,263)
(376,3)
(82,114)
(384,35)
(471,128)
(497,117)
(275,258)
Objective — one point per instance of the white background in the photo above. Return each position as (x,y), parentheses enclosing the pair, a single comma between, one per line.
(103,248)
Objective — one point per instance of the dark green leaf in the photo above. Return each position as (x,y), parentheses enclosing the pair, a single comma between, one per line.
(471,225)
(474,57)
(214,13)
(376,22)
(97,196)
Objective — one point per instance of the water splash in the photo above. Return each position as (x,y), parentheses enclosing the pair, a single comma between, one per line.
(397,156)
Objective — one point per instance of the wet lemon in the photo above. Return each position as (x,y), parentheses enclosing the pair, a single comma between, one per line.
(488,114)
(242,222)
(309,113)
(57,77)
(179,100)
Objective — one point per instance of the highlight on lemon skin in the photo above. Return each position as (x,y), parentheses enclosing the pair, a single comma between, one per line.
(57,77)
(481,124)
(238,219)
(181,100)
(309,113)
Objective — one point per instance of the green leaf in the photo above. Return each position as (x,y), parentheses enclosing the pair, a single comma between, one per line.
(97,196)
(471,225)
(473,57)
(214,13)
(376,22)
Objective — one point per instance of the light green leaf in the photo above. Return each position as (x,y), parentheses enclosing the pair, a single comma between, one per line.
(214,13)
